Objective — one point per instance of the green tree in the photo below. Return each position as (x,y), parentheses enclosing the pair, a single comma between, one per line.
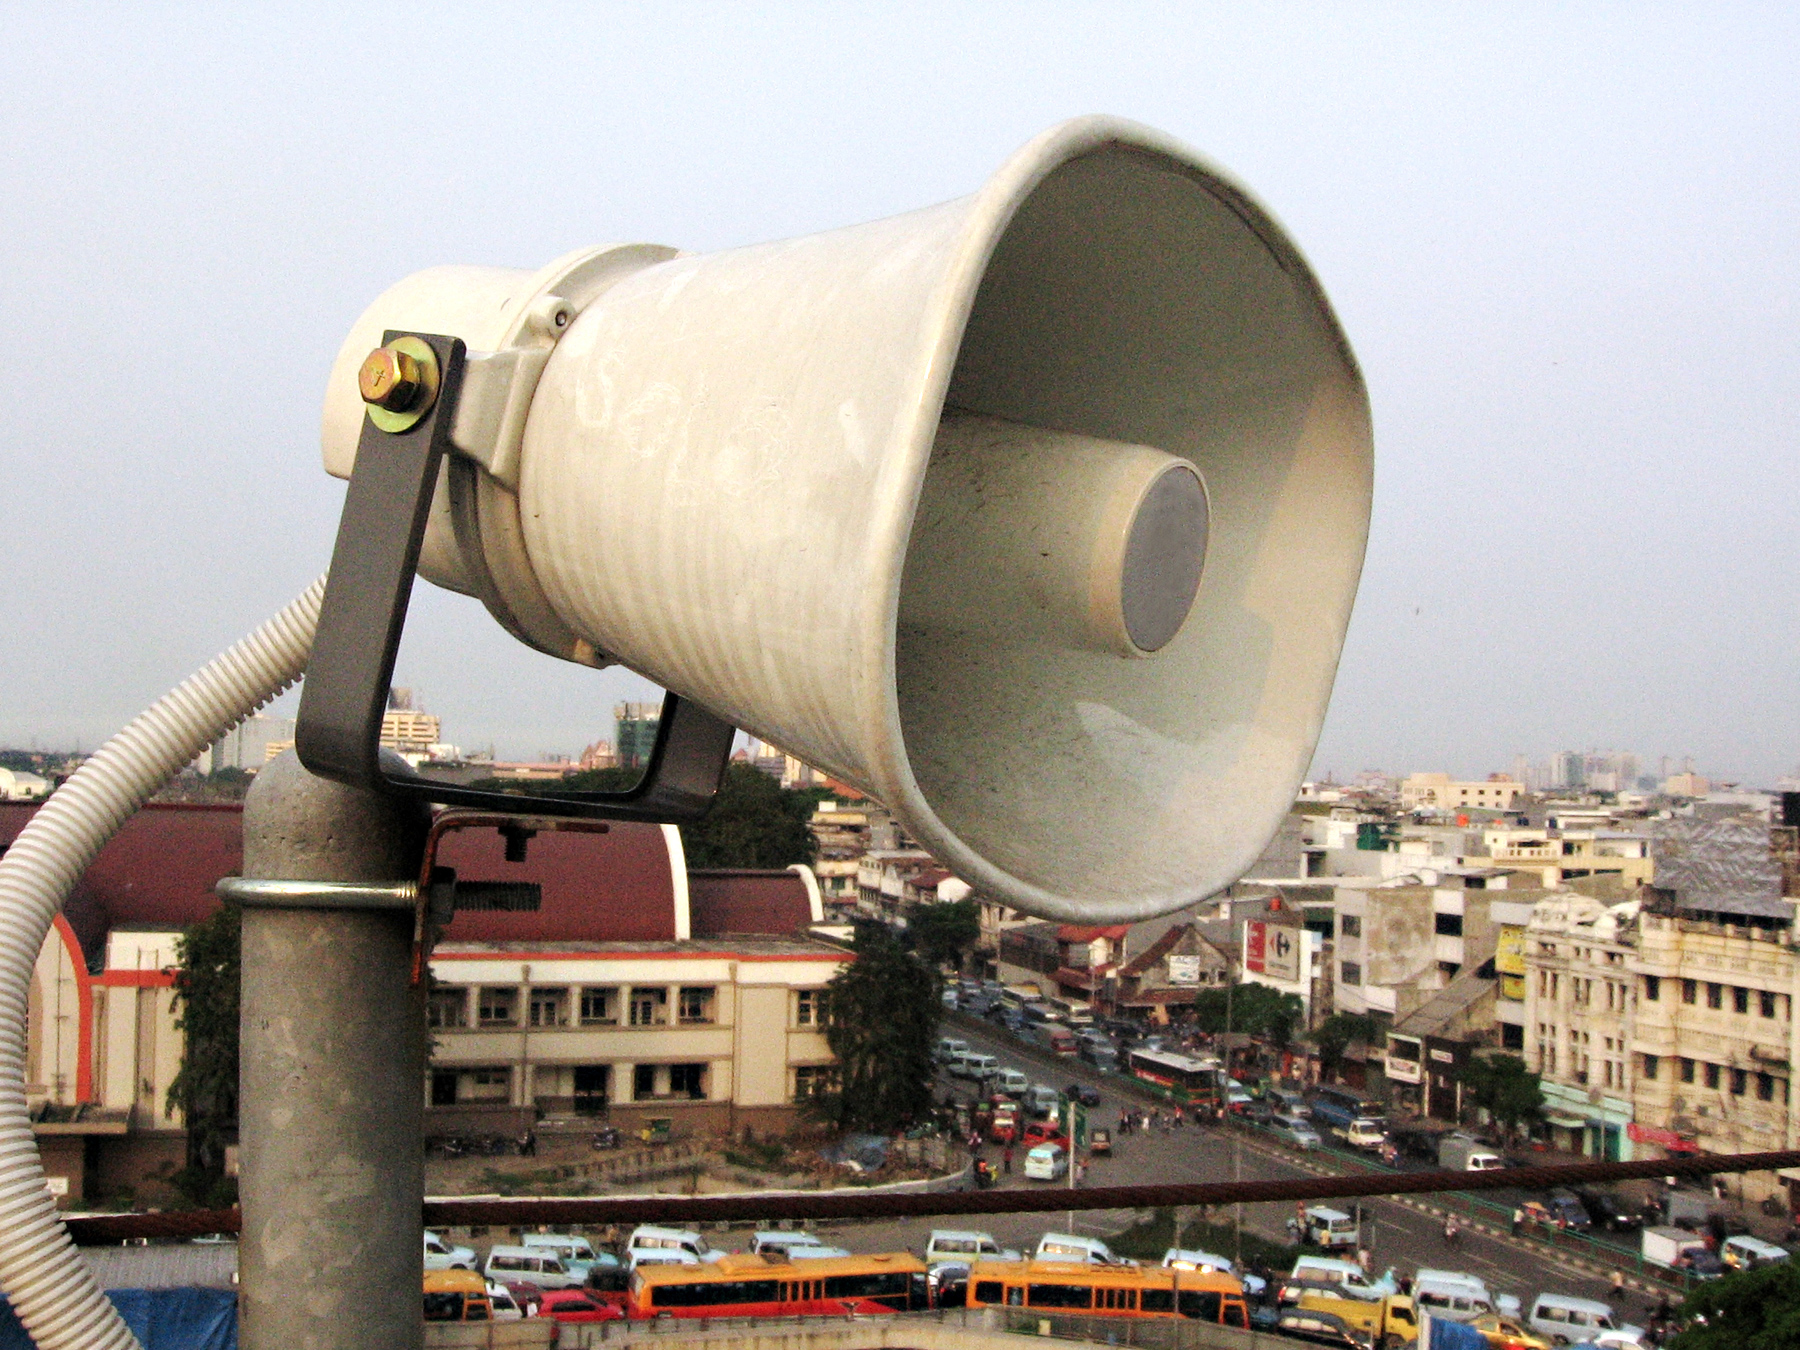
(943,932)
(1251,1009)
(1510,1092)
(205,1087)
(1335,1034)
(753,822)
(1750,1310)
(882,1013)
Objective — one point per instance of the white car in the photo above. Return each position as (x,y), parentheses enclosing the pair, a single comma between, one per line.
(965,1245)
(500,1299)
(441,1255)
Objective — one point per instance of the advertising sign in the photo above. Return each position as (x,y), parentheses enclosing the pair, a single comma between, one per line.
(1256,935)
(1184,970)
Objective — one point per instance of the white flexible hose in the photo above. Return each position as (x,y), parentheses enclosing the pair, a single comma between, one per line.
(49,1285)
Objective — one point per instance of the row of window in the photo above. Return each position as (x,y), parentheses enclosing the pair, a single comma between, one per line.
(1767,1004)
(649,1082)
(1738,1082)
(1614,995)
(595,1006)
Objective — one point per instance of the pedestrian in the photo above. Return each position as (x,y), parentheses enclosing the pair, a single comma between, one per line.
(1364,1259)
(1006,1160)
(1081,1171)
(1518,1219)
(1618,1287)
(1178,1117)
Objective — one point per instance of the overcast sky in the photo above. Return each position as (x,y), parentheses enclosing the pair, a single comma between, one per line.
(1562,240)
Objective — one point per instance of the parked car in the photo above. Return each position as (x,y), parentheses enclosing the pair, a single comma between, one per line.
(1047,1162)
(578,1256)
(1087,1096)
(650,1244)
(1319,1328)
(576,1305)
(1100,1143)
(441,1255)
(545,1269)
(502,1304)
(1564,1319)
(965,1245)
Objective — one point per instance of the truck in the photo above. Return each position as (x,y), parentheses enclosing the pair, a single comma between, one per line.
(1665,1246)
(1460,1153)
(1390,1322)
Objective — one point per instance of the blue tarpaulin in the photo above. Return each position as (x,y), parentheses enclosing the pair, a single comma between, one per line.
(162,1319)
(1444,1335)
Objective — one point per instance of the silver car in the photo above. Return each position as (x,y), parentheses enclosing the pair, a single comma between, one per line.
(1294,1132)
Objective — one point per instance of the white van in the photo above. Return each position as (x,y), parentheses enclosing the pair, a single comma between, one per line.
(1347,1275)
(1564,1319)
(1041,1100)
(1451,1296)
(1069,1247)
(1327,1228)
(949,1049)
(650,1245)
(974,1066)
(577,1253)
(541,1267)
(965,1244)
(1749,1253)
(1046,1162)
(1011,1082)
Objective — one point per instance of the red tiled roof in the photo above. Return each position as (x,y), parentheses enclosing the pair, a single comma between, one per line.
(740,902)
(159,870)
(928,880)
(1074,932)
(612,887)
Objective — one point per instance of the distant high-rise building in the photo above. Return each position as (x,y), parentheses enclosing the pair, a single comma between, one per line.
(1568,769)
(246,746)
(635,733)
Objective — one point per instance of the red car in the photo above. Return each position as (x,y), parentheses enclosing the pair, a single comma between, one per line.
(576,1305)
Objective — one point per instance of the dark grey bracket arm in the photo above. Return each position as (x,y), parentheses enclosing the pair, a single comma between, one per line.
(338,735)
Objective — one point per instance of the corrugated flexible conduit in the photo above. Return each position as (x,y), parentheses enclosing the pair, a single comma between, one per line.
(41,1270)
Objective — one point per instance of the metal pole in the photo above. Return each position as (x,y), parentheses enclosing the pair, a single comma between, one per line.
(332,1069)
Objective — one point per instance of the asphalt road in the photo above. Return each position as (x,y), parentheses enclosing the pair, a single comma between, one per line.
(1401,1238)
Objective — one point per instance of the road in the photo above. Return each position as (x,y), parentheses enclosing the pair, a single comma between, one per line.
(1401,1237)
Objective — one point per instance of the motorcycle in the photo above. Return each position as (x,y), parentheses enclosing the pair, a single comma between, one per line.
(606,1139)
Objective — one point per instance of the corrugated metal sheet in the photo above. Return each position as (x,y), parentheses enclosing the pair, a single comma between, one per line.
(1718,866)
(166,1265)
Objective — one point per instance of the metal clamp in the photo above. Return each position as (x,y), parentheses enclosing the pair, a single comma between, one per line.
(338,734)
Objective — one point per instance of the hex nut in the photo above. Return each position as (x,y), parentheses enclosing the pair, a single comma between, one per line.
(389,380)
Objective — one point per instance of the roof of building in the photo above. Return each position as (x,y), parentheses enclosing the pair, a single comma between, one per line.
(159,871)
(1075,932)
(451,949)
(1446,1005)
(742,901)
(1719,867)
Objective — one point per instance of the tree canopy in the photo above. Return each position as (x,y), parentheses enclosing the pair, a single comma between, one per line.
(1335,1034)
(1253,1009)
(754,821)
(205,1087)
(944,931)
(1748,1310)
(1510,1092)
(882,1014)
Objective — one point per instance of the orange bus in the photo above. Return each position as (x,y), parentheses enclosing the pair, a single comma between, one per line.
(1109,1291)
(768,1286)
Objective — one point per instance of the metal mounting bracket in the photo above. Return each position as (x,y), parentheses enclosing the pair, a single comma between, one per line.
(338,734)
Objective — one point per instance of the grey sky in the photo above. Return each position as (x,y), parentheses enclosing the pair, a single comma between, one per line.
(1562,240)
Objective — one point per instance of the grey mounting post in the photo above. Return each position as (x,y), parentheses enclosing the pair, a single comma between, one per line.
(332,1071)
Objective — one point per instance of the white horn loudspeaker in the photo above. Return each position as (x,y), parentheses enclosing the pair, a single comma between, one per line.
(1037,515)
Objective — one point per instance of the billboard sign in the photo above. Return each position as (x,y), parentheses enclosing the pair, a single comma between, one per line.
(1272,949)
(1184,970)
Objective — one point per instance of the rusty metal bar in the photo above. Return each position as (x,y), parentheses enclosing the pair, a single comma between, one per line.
(859,1204)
